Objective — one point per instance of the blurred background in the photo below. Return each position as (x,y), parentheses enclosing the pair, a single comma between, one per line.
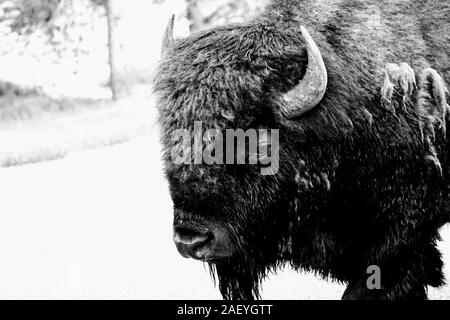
(76,74)
(84,208)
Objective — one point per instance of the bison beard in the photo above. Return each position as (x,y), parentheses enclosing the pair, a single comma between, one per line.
(364,171)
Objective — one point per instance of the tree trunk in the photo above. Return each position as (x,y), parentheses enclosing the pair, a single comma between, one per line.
(194,14)
(112,49)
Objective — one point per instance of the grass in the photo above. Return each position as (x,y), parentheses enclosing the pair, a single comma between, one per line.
(37,128)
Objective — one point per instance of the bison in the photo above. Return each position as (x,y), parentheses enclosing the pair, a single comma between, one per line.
(356,90)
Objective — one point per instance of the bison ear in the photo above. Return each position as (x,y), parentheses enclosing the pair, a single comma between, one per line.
(168,39)
(310,91)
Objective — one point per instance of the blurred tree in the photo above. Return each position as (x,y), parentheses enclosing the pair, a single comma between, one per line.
(24,16)
(203,14)
(55,26)
(55,19)
(63,26)
(195,16)
(112,48)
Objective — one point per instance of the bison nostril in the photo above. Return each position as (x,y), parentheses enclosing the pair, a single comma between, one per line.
(190,237)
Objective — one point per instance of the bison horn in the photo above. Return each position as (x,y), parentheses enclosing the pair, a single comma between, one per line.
(168,39)
(310,91)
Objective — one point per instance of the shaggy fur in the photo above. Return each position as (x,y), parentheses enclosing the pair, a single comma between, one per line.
(355,186)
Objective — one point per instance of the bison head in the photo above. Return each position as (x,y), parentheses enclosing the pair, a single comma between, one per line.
(256,76)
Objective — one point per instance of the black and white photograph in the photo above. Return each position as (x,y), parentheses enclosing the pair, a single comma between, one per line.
(224,150)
